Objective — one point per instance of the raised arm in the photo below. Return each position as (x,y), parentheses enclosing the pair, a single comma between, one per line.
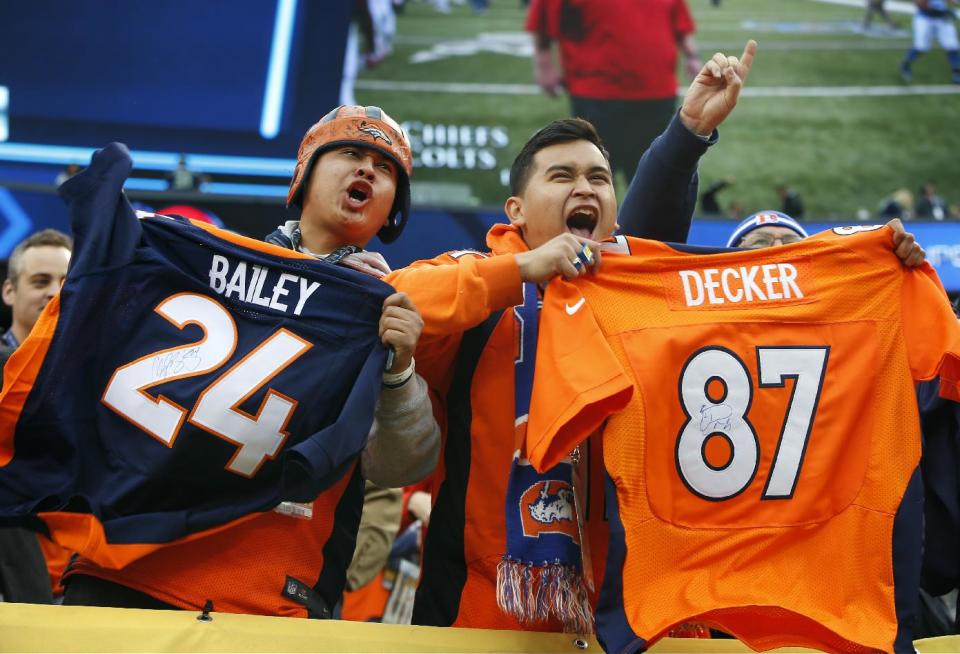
(660,201)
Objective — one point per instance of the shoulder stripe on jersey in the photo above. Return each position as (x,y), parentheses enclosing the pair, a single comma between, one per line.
(444,571)
(456,254)
(250,243)
(617,245)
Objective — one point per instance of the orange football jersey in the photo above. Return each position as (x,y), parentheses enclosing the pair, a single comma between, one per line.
(764,476)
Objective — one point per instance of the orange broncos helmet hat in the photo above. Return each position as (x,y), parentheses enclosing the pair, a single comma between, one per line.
(368,127)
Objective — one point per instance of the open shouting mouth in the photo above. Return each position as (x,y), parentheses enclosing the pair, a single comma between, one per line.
(359,193)
(582,220)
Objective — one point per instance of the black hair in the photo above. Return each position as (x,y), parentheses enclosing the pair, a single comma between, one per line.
(559,131)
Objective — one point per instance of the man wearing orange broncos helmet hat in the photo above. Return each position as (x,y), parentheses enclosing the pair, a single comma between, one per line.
(351,182)
(378,196)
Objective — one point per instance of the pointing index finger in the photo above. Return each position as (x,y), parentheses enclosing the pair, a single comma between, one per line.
(746,59)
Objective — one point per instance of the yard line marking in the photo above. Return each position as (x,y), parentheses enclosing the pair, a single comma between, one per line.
(849,91)
(896,6)
(755,91)
(896,42)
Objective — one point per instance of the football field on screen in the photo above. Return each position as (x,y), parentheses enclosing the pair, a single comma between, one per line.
(824,108)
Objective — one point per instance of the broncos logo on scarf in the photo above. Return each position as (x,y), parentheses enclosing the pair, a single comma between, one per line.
(549,507)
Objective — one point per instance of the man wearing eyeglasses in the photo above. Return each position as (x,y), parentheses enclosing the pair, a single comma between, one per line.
(764,229)
(768,228)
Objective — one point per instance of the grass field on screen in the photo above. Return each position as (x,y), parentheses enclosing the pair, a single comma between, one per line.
(843,150)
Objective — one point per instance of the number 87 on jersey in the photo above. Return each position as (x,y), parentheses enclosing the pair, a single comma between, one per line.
(765,425)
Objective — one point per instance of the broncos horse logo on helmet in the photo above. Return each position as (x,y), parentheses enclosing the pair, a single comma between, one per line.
(368,127)
(376,133)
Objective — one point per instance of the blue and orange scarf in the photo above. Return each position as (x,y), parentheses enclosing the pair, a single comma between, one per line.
(541,575)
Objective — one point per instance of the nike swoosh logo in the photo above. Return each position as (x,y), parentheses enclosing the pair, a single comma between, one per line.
(576,307)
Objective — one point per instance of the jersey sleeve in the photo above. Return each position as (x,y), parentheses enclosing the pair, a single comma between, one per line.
(455,292)
(578,381)
(458,290)
(931,331)
(105,228)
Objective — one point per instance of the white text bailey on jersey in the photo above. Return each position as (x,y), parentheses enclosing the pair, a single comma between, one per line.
(249,284)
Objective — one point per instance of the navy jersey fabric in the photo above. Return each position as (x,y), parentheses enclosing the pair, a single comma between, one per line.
(940,464)
(74,453)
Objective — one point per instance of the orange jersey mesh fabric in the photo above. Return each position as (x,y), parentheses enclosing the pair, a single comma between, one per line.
(243,568)
(771,440)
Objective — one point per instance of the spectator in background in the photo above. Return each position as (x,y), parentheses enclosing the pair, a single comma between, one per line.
(790,201)
(379,523)
(382,30)
(351,53)
(181,178)
(876,7)
(376,21)
(66,173)
(35,273)
(933,17)
(898,205)
(418,504)
(765,229)
(374,573)
(930,205)
(708,199)
(618,61)
(365,596)
(443,6)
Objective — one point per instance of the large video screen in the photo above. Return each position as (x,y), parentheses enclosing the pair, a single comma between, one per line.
(233,77)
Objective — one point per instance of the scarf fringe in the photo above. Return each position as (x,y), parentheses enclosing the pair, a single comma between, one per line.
(534,593)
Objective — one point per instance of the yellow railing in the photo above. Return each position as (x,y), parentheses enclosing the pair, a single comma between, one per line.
(36,628)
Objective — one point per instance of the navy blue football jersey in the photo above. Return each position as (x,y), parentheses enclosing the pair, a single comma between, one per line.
(183,378)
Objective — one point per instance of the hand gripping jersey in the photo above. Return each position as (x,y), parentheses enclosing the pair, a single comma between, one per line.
(763,478)
(183,378)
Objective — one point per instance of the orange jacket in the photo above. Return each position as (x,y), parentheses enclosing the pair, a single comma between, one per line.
(455,292)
